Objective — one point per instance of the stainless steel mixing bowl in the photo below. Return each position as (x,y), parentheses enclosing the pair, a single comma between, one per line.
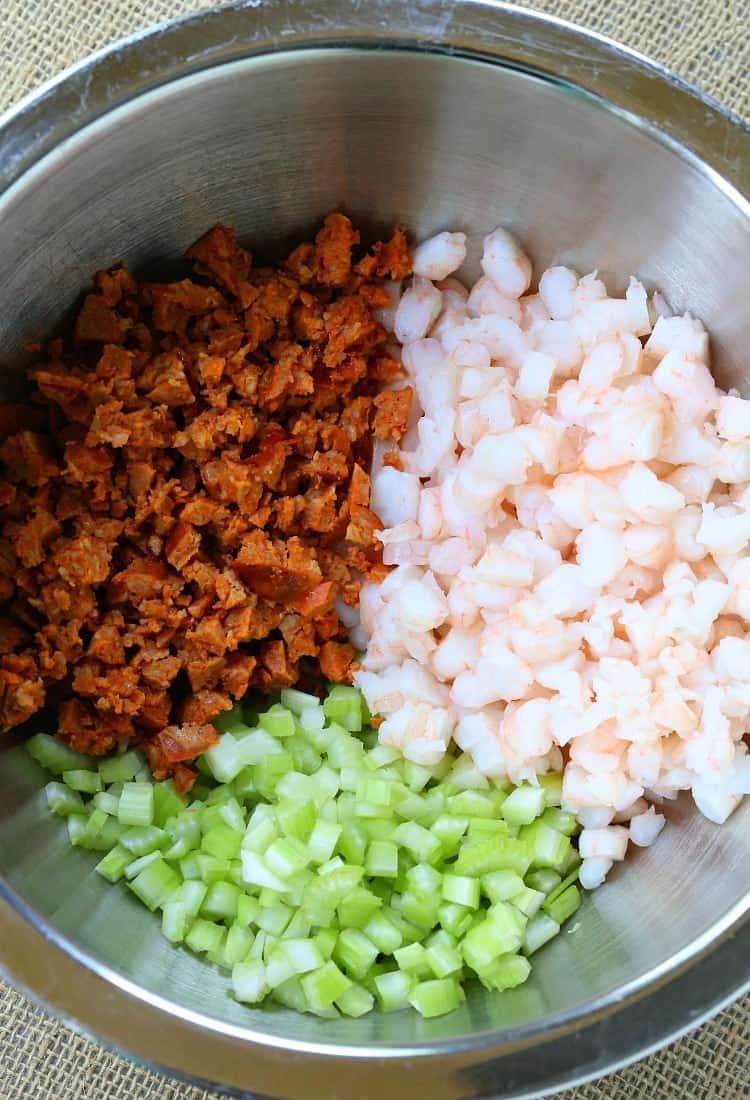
(267,115)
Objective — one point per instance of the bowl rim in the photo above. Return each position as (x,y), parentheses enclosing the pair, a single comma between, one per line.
(623,81)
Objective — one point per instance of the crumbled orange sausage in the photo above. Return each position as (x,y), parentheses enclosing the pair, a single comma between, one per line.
(186,497)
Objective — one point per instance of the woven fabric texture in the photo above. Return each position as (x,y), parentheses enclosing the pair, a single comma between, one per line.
(706,42)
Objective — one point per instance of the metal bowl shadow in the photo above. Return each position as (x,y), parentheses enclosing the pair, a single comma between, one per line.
(267,115)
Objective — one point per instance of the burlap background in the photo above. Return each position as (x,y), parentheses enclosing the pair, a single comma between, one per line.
(706,41)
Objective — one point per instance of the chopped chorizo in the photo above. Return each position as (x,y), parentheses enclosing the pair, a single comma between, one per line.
(97,322)
(392,413)
(218,256)
(185,742)
(336,660)
(187,498)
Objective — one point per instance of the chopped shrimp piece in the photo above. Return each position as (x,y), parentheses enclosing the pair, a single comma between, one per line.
(440,256)
(506,264)
(573,572)
(419,307)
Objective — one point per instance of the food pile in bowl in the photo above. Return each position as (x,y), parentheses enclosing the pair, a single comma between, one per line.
(374,613)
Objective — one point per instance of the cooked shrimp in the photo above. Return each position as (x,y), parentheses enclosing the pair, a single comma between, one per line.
(570,527)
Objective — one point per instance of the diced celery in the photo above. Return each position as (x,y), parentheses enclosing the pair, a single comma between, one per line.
(357,907)
(325,985)
(248,910)
(354,952)
(220,902)
(506,972)
(393,990)
(382,931)
(564,905)
(62,800)
(257,951)
(569,880)
(142,839)
(174,921)
(374,790)
(483,827)
(342,749)
(461,889)
(270,770)
(381,859)
(155,884)
(273,919)
(443,957)
(313,720)
(471,804)
(350,864)
(416,776)
(243,783)
(549,849)
(455,919)
(464,775)
(177,850)
(501,885)
(321,844)
(299,927)
(305,758)
(204,936)
(528,900)
(449,830)
(259,834)
(56,757)
(79,779)
(112,866)
(224,758)
(222,842)
(302,955)
(255,872)
(278,721)
(76,825)
(238,943)
(298,701)
(545,880)
(286,856)
(119,769)
(552,785)
(189,867)
(424,879)
(325,892)
(135,867)
(492,937)
(523,805)
(136,806)
(417,840)
(494,854)
(433,806)
(436,997)
(561,821)
(421,909)
(355,1001)
(382,756)
(352,843)
(326,941)
(191,895)
(107,802)
(344,705)
(413,960)
(291,995)
(107,834)
(540,929)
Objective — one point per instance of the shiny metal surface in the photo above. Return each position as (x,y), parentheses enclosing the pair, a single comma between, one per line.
(266,116)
